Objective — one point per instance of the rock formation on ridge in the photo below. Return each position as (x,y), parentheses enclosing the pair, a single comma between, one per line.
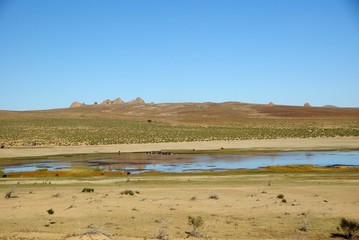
(76,104)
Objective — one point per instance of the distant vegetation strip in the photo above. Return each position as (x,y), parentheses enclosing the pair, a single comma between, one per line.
(74,132)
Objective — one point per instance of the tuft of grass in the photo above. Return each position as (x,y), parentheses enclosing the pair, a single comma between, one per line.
(280,196)
(349,227)
(213,196)
(304,226)
(50,211)
(129,192)
(56,195)
(162,231)
(88,190)
(196,223)
(8,194)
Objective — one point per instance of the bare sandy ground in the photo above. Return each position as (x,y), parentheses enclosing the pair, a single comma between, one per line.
(267,144)
(241,206)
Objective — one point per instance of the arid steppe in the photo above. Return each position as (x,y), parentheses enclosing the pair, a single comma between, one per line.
(232,205)
(293,202)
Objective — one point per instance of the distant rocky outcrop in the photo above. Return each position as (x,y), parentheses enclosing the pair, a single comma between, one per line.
(117,101)
(307,105)
(271,104)
(138,100)
(106,102)
(76,104)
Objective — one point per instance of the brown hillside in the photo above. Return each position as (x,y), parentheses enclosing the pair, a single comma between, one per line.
(193,113)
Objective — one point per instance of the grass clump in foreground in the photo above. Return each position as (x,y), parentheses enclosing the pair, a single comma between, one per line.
(280,196)
(349,227)
(50,211)
(196,223)
(213,196)
(129,192)
(8,194)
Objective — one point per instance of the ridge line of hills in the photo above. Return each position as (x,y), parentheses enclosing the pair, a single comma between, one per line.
(139,101)
(206,113)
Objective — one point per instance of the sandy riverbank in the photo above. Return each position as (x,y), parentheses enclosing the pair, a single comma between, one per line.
(292,144)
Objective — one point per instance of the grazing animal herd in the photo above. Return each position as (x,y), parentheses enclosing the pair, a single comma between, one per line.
(160,153)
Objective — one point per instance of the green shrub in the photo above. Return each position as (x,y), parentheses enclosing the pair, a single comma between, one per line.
(350,227)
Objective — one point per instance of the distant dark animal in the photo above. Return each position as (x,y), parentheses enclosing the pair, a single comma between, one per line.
(4,176)
(56,175)
(159,153)
(128,173)
(2,146)
(88,190)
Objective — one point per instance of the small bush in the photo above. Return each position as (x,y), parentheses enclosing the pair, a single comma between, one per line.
(280,196)
(213,196)
(162,232)
(129,192)
(8,194)
(350,227)
(50,211)
(88,190)
(304,226)
(284,201)
(195,223)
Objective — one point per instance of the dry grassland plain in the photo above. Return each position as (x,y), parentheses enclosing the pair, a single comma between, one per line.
(232,205)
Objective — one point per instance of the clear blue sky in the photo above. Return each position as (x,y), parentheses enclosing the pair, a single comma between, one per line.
(285,51)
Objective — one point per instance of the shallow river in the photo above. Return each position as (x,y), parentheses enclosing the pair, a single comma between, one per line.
(141,162)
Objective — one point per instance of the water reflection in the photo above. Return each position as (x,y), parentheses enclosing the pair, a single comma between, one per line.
(191,163)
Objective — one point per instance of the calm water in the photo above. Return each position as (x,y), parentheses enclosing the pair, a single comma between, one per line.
(195,163)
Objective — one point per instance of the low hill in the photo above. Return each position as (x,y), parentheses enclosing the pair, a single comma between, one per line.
(140,122)
(189,113)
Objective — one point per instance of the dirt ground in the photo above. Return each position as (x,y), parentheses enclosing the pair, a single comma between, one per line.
(232,206)
(293,144)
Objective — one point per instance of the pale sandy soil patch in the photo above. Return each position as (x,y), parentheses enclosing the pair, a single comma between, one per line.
(245,206)
(291,144)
